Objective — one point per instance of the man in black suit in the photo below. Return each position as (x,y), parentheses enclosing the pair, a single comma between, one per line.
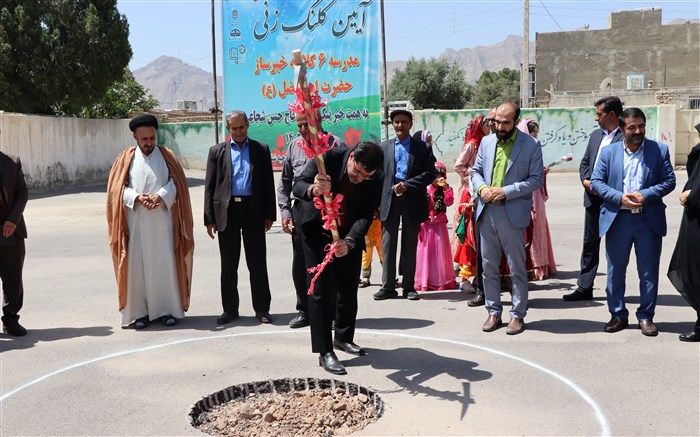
(607,114)
(239,198)
(13,199)
(356,174)
(409,167)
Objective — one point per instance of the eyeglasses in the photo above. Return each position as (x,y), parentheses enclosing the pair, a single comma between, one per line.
(362,172)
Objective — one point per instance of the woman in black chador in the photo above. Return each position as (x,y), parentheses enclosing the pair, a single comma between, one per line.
(684,271)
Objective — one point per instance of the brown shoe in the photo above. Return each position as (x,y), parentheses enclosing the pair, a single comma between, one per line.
(616,324)
(515,326)
(478,300)
(648,328)
(492,323)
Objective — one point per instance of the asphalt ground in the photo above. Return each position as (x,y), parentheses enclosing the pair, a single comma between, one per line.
(78,373)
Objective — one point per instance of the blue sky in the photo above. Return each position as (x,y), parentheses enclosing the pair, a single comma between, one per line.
(413,27)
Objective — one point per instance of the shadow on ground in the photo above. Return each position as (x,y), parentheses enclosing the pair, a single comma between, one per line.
(208,323)
(413,368)
(393,323)
(35,336)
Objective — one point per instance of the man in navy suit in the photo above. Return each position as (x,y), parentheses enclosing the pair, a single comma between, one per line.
(607,114)
(631,177)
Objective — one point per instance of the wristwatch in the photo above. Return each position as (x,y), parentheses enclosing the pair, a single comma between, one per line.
(351,243)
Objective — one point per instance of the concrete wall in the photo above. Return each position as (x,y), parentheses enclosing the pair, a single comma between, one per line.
(562,131)
(686,135)
(635,42)
(60,151)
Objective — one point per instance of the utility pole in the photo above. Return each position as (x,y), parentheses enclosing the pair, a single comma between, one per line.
(386,89)
(213,60)
(525,68)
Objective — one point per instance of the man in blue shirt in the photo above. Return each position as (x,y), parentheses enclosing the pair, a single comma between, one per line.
(239,200)
(409,167)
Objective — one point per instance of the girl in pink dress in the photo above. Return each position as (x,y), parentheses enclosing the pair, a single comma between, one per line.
(540,255)
(434,257)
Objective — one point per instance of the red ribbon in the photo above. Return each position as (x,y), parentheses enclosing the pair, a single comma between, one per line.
(330,249)
(323,145)
(330,211)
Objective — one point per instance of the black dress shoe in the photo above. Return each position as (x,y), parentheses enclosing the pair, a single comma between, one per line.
(690,336)
(264,317)
(330,363)
(616,324)
(411,295)
(14,329)
(384,294)
(299,321)
(225,318)
(350,348)
(578,294)
(479,299)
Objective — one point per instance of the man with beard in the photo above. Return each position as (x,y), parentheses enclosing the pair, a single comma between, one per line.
(631,177)
(294,163)
(507,170)
(356,175)
(149,220)
(607,114)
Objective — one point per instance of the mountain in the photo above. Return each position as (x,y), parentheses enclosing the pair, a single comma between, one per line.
(170,79)
(474,61)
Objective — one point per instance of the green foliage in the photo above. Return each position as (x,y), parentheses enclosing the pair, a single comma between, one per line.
(60,55)
(494,87)
(432,83)
(121,98)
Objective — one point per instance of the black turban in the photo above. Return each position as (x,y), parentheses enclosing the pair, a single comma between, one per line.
(143,120)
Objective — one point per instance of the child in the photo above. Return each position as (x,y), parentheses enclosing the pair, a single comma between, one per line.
(373,240)
(434,256)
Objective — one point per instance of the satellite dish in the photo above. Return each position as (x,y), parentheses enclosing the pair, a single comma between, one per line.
(606,84)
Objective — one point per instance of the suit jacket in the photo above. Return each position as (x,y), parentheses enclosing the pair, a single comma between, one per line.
(359,207)
(14,192)
(524,174)
(217,184)
(421,173)
(658,181)
(585,169)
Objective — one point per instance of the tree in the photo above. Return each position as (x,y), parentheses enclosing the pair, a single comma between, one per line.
(494,87)
(122,97)
(60,53)
(432,83)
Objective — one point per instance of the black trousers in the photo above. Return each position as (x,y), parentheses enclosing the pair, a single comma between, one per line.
(590,253)
(299,274)
(399,213)
(11,263)
(239,222)
(335,293)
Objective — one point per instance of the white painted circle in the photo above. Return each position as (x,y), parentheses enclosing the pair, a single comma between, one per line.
(600,417)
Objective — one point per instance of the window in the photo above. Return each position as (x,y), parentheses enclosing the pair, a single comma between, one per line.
(694,102)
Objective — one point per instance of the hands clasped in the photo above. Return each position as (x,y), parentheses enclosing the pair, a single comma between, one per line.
(492,194)
(632,200)
(152,201)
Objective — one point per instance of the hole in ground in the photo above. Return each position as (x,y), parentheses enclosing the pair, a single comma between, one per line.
(287,407)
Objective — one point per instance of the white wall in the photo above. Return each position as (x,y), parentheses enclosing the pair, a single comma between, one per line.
(61,151)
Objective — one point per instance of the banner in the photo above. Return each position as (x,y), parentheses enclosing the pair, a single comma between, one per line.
(339,41)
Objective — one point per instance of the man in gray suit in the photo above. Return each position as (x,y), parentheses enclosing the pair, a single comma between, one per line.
(409,167)
(607,114)
(507,170)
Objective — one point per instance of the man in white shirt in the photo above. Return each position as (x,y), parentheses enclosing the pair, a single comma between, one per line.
(607,113)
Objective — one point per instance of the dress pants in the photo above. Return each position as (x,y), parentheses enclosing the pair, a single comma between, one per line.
(478,275)
(590,253)
(400,211)
(626,230)
(239,222)
(11,264)
(335,291)
(299,275)
(498,235)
